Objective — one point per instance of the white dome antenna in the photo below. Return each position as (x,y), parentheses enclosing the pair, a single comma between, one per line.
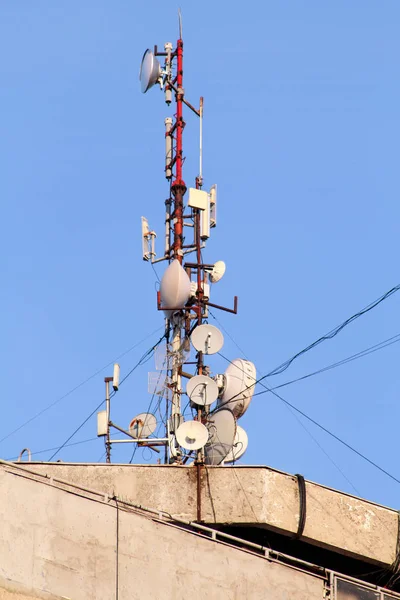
(240,379)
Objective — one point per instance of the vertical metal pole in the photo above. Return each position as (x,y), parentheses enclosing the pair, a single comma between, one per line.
(108,443)
(201,141)
(178,189)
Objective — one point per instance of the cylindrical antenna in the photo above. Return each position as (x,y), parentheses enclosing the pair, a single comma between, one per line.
(167,227)
(201,142)
(168,148)
(168,90)
(180,23)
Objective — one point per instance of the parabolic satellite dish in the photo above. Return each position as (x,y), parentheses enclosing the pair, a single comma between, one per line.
(221,426)
(202,390)
(240,379)
(192,435)
(239,446)
(150,71)
(218,271)
(207,339)
(143,425)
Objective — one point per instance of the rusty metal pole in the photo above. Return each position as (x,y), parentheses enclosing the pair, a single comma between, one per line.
(108,442)
(178,189)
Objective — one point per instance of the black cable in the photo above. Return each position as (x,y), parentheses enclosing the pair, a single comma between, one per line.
(328,336)
(140,362)
(76,431)
(13,458)
(393,340)
(76,387)
(336,437)
(331,334)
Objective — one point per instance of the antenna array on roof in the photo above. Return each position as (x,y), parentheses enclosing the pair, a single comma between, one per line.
(212,435)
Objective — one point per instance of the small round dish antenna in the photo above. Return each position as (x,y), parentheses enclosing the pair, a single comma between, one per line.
(150,71)
(192,435)
(218,271)
(239,446)
(221,426)
(143,425)
(207,339)
(202,390)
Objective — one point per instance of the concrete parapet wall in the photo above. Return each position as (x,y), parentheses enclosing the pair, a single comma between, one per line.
(257,496)
(57,543)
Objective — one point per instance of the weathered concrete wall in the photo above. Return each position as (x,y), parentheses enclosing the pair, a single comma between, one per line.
(56,543)
(247,495)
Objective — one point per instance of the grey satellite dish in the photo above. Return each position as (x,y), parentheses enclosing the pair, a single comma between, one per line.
(221,426)
(192,435)
(150,71)
(143,425)
(202,390)
(239,446)
(207,339)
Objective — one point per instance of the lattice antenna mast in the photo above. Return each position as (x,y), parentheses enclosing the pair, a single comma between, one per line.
(185,288)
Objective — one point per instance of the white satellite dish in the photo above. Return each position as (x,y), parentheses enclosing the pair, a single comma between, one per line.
(174,287)
(143,425)
(202,390)
(240,379)
(239,446)
(221,426)
(192,435)
(150,71)
(207,339)
(218,271)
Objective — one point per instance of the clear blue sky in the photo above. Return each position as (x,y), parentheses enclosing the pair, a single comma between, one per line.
(301,134)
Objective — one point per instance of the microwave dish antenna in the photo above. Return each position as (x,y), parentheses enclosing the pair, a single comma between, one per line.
(218,271)
(221,426)
(239,447)
(143,425)
(240,379)
(207,339)
(150,71)
(202,390)
(192,435)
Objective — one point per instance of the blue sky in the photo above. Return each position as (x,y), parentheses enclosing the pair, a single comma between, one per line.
(301,135)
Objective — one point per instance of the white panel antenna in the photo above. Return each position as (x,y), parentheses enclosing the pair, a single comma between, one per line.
(198,199)
(213,205)
(102,423)
(148,241)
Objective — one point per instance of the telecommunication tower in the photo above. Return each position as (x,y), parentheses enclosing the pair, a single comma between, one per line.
(212,436)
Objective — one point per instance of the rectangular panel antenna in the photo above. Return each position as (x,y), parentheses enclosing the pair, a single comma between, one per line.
(213,205)
(102,423)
